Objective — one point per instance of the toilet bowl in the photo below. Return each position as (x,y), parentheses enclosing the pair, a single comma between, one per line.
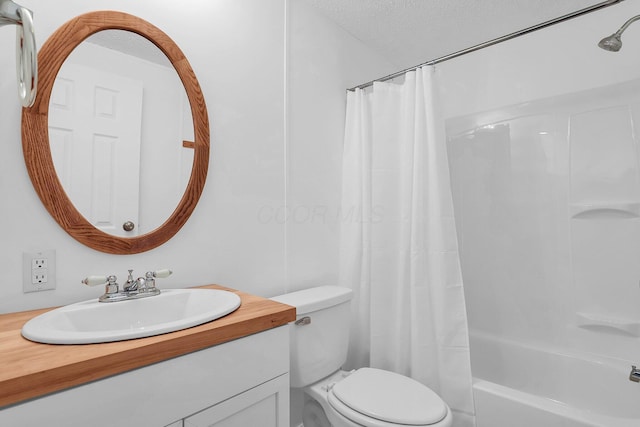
(366,397)
(373,398)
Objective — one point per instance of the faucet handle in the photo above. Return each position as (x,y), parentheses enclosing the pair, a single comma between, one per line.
(161,274)
(150,278)
(110,282)
(96,280)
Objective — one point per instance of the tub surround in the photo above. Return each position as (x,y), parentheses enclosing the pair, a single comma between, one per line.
(32,370)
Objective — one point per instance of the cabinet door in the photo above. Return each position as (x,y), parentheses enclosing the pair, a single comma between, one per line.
(266,405)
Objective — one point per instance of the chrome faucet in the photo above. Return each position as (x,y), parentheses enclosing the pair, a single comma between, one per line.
(130,285)
(132,289)
(634,375)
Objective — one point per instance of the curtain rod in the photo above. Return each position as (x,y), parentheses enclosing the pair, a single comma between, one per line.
(513,35)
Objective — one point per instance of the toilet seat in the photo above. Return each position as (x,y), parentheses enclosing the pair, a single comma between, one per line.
(376,398)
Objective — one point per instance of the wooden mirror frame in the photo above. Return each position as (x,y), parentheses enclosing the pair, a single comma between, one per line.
(35,133)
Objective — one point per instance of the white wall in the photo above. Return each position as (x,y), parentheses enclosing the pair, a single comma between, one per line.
(324,60)
(237,51)
(528,267)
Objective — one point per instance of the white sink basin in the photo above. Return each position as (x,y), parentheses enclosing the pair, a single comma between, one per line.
(96,322)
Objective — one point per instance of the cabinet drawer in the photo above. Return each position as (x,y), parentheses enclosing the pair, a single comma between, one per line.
(266,405)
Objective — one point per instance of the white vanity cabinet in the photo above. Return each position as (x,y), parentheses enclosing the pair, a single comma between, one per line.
(241,383)
(261,406)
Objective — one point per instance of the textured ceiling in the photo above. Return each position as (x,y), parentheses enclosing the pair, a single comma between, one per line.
(410,32)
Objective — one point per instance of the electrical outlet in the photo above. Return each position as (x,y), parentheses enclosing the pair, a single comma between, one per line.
(38,271)
(39,277)
(39,263)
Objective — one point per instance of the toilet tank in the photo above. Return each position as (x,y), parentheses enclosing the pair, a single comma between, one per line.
(320,334)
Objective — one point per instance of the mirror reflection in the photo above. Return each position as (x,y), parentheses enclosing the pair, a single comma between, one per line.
(121,132)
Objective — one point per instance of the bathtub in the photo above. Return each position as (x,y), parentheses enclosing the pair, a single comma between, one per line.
(517,385)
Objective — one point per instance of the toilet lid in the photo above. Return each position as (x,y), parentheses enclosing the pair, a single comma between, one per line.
(388,397)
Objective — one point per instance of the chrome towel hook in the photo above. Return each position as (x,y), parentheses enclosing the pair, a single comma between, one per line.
(26,55)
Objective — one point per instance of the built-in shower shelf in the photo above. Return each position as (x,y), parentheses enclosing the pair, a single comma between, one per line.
(605,210)
(599,321)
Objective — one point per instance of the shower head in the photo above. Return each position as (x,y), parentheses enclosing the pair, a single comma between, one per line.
(613,43)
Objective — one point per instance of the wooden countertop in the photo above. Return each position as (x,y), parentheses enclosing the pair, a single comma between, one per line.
(29,369)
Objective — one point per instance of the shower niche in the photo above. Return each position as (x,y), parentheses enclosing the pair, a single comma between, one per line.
(604,210)
(604,164)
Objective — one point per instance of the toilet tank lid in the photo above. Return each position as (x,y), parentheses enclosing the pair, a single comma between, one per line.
(314,299)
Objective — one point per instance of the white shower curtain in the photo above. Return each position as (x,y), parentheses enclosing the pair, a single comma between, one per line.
(399,251)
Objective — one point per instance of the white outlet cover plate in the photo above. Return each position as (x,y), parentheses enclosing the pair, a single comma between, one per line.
(48,269)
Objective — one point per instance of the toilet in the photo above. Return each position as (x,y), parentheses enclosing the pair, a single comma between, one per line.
(366,397)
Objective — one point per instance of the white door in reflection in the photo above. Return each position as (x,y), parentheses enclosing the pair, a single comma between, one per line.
(95,133)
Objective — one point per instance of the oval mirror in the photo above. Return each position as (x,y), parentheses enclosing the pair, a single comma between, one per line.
(117,142)
(118,119)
